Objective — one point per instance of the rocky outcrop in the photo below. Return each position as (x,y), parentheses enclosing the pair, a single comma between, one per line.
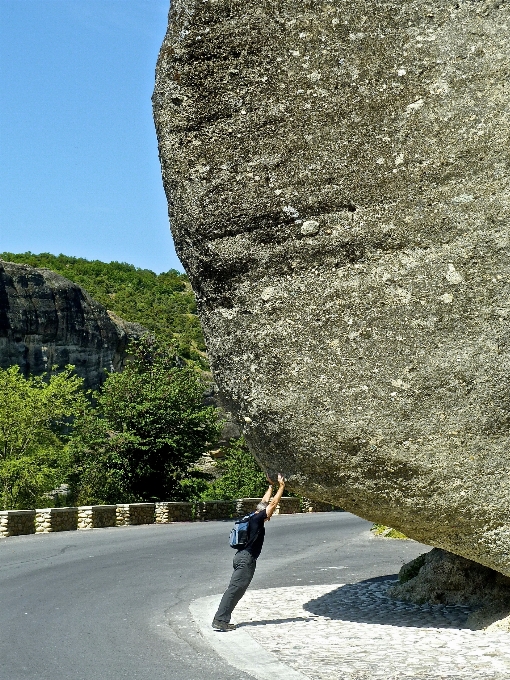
(46,320)
(439,577)
(337,179)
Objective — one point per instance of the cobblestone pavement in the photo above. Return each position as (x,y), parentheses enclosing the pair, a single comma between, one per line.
(356,632)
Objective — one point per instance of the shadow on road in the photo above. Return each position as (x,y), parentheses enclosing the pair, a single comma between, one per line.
(368,602)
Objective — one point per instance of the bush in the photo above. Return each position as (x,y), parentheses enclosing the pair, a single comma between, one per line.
(387,532)
(146,433)
(241,476)
(34,419)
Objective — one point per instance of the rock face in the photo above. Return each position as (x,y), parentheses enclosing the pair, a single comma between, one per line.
(337,176)
(46,320)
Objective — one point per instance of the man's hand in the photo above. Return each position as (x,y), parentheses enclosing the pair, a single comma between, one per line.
(269,480)
(281,479)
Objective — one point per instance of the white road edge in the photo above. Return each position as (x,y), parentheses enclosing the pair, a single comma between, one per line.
(237,647)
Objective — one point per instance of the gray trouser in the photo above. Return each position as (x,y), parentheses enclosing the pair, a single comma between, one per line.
(244,568)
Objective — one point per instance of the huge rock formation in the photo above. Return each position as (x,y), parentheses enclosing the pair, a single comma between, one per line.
(337,176)
(46,320)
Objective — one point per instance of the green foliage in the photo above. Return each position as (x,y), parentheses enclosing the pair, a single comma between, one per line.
(241,476)
(148,429)
(98,470)
(411,569)
(34,414)
(387,532)
(163,303)
(192,485)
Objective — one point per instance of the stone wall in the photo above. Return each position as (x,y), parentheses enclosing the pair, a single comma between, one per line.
(288,505)
(166,512)
(97,516)
(135,513)
(246,505)
(48,520)
(207,510)
(17,522)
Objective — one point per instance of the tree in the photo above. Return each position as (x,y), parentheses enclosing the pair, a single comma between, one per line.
(150,429)
(34,416)
(241,476)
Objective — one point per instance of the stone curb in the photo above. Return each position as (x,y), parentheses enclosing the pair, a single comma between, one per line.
(237,647)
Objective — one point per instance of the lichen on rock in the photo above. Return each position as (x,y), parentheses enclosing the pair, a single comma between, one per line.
(337,181)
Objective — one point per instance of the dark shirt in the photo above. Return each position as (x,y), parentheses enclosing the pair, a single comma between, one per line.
(257,533)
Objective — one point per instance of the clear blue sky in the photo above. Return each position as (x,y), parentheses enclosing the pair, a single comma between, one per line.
(79,170)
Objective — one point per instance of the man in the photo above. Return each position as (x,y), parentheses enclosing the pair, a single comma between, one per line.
(245,560)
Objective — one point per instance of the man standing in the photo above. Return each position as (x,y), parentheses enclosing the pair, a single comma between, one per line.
(245,560)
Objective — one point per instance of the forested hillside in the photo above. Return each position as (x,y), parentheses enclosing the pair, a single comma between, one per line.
(163,303)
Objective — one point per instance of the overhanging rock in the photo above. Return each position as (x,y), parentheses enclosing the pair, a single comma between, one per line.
(337,179)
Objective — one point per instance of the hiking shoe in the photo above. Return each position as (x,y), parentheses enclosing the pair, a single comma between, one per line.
(222,625)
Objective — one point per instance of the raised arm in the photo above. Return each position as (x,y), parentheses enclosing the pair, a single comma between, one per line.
(269,492)
(276,498)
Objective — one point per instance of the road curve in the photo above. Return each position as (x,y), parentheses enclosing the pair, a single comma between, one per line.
(112,604)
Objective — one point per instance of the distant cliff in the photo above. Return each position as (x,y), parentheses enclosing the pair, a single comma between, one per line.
(163,303)
(46,320)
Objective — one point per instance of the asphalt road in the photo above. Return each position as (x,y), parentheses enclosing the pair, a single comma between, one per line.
(110,604)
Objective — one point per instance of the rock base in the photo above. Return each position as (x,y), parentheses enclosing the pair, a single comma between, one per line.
(440,577)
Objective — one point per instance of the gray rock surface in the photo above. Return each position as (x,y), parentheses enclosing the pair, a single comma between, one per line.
(230,430)
(338,188)
(46,320)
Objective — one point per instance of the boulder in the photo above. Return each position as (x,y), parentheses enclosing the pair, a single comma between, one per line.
(338,190)
(46,320)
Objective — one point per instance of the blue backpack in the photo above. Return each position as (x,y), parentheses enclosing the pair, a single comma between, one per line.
(240,534)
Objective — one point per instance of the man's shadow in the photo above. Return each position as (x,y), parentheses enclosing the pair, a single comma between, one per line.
(265,622)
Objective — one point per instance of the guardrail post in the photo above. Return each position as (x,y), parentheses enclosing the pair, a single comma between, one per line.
(168,511)
(49,520)
(97,516)
(17,522)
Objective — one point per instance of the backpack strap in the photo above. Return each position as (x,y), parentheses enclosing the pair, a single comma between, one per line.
(251,540)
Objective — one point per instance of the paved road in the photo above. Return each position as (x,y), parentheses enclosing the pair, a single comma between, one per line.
(110,604)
